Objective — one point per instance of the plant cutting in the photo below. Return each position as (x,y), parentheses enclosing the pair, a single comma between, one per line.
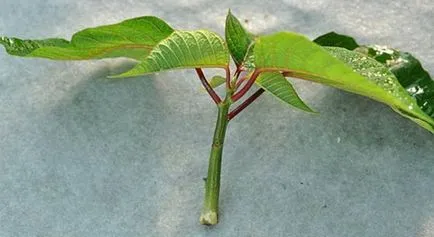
(260,63)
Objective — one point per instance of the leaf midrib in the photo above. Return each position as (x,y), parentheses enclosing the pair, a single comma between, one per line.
(100,50)
(297,74)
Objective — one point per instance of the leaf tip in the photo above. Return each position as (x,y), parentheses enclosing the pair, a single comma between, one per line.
(230,14)
(314,112)
(307,109)
(231,18)
(303,107)
(120,76)
(113,77)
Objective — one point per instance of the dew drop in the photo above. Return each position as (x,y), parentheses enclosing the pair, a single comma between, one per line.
(382,49)
(412,90)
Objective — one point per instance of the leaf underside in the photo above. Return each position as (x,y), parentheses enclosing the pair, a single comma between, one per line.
(184,49)
(133,38)
(338,67)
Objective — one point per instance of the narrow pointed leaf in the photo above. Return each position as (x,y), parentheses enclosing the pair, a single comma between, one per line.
(184,49)
(338,67)
(237,38)
(282,89)
(133,38)
(406,68)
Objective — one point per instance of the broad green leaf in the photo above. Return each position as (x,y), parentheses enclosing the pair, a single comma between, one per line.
(338,67)
(374,71)
(133,38)
(336,40)
(184,49)
(215,82)
(409,72)
(237,38)
(282,89)
(406,68)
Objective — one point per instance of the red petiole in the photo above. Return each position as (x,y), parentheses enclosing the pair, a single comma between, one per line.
(246,103)
(246,88)
(208,87)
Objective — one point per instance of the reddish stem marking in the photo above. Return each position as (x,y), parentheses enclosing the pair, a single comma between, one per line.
(246,88)
(287,74)
(228,77)
(246,103)
(207,86)
(240,82)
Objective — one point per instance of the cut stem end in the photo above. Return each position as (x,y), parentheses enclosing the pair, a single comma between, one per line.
(208,217)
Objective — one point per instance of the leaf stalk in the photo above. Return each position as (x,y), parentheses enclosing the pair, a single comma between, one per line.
(228,78)
(246,103)
(208,87)
(246,88)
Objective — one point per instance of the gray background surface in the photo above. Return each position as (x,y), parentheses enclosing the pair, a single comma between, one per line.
(84,156)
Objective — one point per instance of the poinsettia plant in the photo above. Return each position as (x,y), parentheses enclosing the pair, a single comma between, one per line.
(384,74)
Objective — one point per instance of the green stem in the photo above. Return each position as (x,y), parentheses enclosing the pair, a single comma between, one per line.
(209,215)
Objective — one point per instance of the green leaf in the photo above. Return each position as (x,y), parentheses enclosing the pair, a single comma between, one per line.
(409,72)
(133,38)
(215,82)
(282,89)
(406,68)
(237,38)
(376,72)
(336,40)
(338,67)
(184,49)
